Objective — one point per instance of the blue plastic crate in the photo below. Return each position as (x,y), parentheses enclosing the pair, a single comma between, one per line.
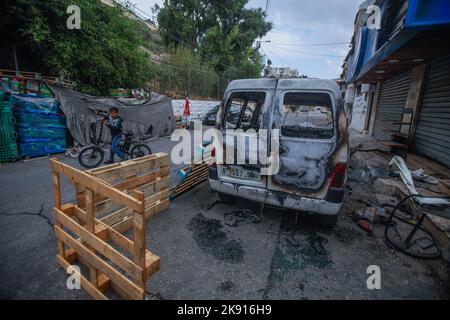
(39,148)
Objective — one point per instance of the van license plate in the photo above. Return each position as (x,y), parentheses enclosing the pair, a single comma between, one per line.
(241,174)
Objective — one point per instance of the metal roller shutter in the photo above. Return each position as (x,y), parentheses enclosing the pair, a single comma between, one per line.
(432,137)
(393,95)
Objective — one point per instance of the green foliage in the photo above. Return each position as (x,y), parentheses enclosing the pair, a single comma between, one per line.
(222,32)
(107,52)
(185,73)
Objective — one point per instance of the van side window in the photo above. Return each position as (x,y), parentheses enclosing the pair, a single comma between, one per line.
(244,110)
(307,115)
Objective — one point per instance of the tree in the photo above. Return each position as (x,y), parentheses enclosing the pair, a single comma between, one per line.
(185,73)
(106,53)
(222,32)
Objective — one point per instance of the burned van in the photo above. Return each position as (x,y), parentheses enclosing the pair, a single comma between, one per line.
(312,150)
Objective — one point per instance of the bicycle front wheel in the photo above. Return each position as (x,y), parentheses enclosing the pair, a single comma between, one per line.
(140,150)
(91,157)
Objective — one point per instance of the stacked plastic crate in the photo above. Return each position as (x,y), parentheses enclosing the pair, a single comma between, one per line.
(41,126)
(8,136)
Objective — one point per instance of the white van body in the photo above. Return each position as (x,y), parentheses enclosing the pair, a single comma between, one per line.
(314,148)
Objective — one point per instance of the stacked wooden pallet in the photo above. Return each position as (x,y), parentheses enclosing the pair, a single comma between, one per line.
(193,175)
(110,201)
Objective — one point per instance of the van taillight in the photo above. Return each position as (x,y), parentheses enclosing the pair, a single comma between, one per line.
(338,175)
(213,155)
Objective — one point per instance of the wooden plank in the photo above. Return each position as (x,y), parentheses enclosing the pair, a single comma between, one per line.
(56,189)
(104,282)
(184,187)
(131,168)
(116,277)
(121,164)
(57,199)
(126,212)
(194,177)
(71,256)
(139,231)
(124,294)
(148,189)
(90,225)
(102,247)
(96,185)
(85,284)
(79,190)
(152,264)
(127,222)
(444,187)
(120,240)
(152,261)
(138,181)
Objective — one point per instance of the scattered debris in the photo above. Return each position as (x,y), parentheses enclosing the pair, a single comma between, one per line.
(366,219)
(444,187)
(235,218)
(419,175)
(367,175)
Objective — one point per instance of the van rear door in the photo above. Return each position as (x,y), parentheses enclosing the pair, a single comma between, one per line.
(308,139)
(246,111)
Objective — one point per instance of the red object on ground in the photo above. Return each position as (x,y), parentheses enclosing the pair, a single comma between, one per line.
(187,110)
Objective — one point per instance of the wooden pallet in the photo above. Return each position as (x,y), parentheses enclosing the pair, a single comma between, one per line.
(196,174)
(110,201)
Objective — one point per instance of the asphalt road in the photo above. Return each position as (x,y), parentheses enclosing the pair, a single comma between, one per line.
(211,250)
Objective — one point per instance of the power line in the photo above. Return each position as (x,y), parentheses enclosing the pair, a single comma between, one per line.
(275,55)
(307,53)
(310,45)
(190,68)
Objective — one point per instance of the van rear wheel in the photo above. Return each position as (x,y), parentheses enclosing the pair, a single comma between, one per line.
(227,198)
(328,221)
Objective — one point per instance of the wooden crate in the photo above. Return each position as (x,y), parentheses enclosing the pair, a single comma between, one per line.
(195,174)
(111,201)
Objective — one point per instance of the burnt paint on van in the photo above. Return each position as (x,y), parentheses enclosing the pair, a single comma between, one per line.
(306,164)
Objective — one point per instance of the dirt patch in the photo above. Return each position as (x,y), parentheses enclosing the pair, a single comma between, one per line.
(227,286)
(210,237)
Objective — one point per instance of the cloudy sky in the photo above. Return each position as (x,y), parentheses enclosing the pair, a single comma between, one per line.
(299,25)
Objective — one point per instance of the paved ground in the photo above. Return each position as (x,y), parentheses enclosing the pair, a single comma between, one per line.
(211,250)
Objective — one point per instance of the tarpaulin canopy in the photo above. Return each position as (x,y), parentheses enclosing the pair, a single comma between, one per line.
(151,119)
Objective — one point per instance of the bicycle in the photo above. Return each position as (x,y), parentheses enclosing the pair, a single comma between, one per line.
(92,156)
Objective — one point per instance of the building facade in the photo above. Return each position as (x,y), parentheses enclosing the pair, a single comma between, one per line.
(405,62)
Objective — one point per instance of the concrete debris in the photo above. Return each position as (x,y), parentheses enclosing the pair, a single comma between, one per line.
(407,179)
(366,219)
(420,175)
(368,175)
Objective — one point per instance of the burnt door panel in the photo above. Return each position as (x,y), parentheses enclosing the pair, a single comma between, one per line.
(307,141)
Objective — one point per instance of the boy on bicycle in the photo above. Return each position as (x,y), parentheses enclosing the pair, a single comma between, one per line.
(114,123)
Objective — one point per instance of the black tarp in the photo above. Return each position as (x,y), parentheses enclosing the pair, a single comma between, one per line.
(151,119)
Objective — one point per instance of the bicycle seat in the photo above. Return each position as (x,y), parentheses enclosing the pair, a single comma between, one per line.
(128,133)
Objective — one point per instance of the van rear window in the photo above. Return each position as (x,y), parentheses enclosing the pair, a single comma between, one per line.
(307,115)
(244,110)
